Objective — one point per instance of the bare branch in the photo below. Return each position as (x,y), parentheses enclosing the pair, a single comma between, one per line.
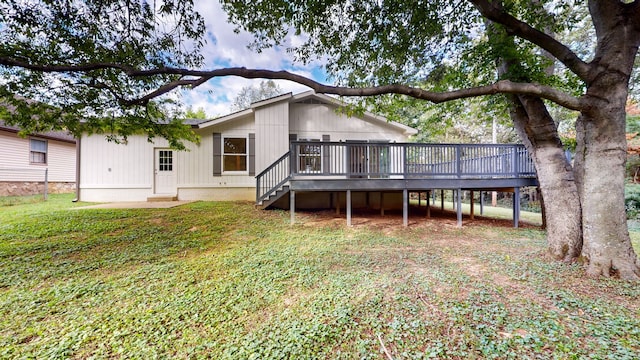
(561,52)
(198,77)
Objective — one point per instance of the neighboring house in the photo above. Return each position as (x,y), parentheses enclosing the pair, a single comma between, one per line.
(233,150)
(26,160)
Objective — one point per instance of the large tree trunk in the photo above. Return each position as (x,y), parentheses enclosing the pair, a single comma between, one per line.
(602,144)
(601,161)
(536,128)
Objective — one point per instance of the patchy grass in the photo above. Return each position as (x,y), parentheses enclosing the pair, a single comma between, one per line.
(223,280)
(495,212)
(19,200)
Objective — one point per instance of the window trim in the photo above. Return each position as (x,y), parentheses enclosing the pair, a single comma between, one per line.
(164,166)
(223,154)
(45,152)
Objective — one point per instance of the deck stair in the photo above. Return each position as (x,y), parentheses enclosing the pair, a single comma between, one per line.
(273,197)
(273,182)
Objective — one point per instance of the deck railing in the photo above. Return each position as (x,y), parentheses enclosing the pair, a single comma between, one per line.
(378,160)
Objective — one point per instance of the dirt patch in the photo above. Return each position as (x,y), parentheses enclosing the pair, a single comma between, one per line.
(470,266)
(392,219)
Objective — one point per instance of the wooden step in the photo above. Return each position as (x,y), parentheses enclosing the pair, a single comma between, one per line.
(157,198)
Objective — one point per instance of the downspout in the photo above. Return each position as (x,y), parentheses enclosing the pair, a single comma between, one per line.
(77,170)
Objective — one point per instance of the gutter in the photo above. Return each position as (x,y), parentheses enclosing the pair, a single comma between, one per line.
(78,142)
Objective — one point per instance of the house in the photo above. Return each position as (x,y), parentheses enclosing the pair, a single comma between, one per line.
(27,162)
(300,151)
(233,150)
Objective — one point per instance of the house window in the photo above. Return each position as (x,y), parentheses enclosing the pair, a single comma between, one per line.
(310,158)
(165,160)
(38,151)
(234,154)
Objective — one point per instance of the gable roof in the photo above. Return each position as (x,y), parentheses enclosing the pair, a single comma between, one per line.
(51,135)
(304,97)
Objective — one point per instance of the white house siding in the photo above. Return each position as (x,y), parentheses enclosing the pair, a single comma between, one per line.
(112,172)
(272,133)
(195,178)
(116,172)
(311,121)
(119,172)
(15,164)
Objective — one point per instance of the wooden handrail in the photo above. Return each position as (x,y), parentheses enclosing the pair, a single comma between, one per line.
(273,177)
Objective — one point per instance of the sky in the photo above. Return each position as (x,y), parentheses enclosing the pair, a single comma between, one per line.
(225,48)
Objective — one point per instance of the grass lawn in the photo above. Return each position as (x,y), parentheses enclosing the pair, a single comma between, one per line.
(489,211)
(227,281)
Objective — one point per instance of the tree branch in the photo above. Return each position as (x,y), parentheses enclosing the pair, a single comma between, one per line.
(561,52)
(198,77)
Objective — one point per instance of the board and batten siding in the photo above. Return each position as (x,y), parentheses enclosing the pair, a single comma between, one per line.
(311,121)
(61,160)
(196,165)
(117,172)
(125,172)
(106,164)
(272,133)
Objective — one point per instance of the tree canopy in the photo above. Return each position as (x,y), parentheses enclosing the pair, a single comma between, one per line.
(66,61)
(250,94)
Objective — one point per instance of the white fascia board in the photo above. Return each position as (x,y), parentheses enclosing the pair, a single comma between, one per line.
(272,100)
(226,118)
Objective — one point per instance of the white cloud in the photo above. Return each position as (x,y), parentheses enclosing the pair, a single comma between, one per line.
(225,48)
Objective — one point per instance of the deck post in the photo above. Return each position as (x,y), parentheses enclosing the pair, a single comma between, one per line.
(454,196)
(441,200)
(405,207)
(481,203)
(337,203)
(471,204)
(419,198)
(516,207)
(459,208)
(428,203)
(292,206)
(381,203)
(348,205)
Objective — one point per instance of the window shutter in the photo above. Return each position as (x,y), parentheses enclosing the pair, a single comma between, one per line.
(217,154)
(326,155)
(252,154)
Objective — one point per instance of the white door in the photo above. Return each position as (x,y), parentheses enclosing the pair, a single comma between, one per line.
(165,175)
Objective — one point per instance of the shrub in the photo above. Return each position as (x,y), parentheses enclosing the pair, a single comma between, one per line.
(632,200)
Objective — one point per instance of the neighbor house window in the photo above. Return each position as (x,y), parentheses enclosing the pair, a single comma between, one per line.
(38,151)
(234,154)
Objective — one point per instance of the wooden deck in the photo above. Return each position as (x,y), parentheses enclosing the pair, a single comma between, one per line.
(403,167)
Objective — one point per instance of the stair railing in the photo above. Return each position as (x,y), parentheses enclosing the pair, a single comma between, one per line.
(273,178)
